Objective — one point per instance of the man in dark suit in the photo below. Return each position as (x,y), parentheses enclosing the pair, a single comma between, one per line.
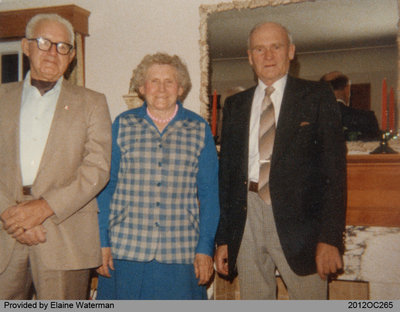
(298,226)
(357,124)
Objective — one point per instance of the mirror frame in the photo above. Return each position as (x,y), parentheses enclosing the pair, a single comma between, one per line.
(206,10)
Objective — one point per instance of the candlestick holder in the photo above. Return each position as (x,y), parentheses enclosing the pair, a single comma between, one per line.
(384,147)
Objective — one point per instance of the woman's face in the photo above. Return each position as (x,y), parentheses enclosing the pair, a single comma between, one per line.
(161,89)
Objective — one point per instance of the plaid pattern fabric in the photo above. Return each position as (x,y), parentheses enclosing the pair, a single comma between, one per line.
(154,211)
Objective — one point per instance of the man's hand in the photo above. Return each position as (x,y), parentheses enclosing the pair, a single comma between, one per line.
(203,268)
(33,236)
(221,259)
(25,216)
(107,262)
(328,260)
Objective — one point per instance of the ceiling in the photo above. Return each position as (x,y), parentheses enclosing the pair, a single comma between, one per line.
(320,25)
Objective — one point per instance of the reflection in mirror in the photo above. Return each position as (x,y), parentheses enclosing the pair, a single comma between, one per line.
(358,38)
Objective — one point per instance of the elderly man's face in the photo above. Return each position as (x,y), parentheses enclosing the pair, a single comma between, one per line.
(270,53)
(48,65)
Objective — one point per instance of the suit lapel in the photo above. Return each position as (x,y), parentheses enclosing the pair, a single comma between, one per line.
(243,118)
(289,118)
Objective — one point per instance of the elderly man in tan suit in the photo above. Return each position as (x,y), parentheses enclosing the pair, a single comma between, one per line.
(55,141)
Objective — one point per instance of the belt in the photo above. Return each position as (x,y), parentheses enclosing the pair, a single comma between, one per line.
(27,190)
(253,187)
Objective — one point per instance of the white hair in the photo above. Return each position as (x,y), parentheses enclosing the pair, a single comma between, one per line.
(30,27)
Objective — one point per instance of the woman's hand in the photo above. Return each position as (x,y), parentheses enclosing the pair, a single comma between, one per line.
(203,268)
(107,262)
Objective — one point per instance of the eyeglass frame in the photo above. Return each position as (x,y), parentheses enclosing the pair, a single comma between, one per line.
(51,44)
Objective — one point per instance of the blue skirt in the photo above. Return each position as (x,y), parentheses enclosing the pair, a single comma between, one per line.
(134,280)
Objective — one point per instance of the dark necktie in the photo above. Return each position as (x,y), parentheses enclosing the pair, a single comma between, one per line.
(43,86)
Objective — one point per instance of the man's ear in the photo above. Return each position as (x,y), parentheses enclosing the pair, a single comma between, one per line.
(249,57)
(292,50)
(72,55)
(25,46)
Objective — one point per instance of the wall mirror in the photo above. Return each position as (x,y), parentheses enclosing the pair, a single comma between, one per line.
(357,37)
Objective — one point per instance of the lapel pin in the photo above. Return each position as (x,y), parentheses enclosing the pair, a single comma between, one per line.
(66,107)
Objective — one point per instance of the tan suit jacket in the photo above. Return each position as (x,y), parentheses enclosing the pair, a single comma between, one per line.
(73,170)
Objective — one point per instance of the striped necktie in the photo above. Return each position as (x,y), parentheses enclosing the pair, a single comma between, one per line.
(265,144)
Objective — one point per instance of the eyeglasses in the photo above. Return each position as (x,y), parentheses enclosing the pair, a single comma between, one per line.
(44,44)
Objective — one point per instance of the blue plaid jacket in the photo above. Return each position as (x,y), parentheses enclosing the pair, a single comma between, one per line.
(162,199)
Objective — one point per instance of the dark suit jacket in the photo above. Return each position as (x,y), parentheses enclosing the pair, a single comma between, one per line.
(359,124)
(307,178)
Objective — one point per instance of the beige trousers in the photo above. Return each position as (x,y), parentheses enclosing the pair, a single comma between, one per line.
(260,254)
(25,271)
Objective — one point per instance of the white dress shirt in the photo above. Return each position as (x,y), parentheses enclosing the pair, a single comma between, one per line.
(276,97)
(37,113)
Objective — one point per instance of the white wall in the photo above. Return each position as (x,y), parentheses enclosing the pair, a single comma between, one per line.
(362,66)
(123,31)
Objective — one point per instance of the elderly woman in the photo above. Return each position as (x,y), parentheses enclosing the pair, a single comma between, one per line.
(160,211)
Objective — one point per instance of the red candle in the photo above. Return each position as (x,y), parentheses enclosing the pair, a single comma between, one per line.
(384,105)
(214,114)
(391,110)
